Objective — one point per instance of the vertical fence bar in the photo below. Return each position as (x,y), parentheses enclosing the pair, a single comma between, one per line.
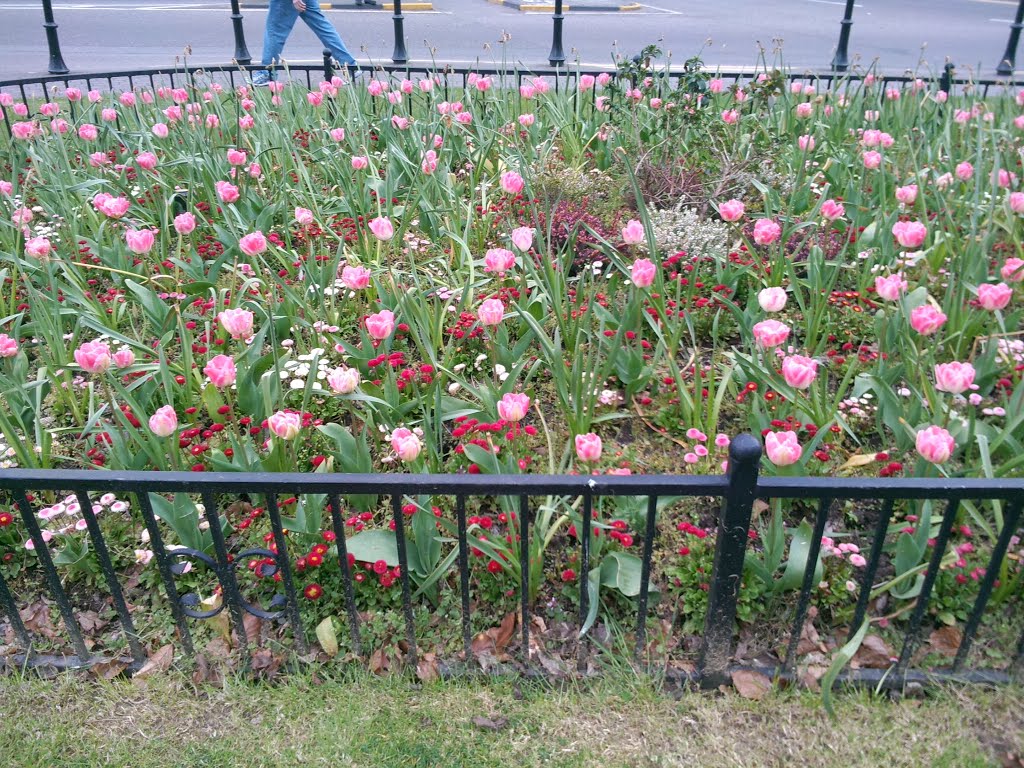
(874,559)
(914,630)
(727,571)
(399,56)
(28,515)
(346,574)
(57,65)
(241,51)
(645,577)
(808,584)
(985,589)
(287,577)
(226,574)
(163,564)
(100,546)
(1008,62)
(557,55)
(841,61)
(11,609)
(328,66)
(460,515)
(524,569)
(403,562)
(584,577)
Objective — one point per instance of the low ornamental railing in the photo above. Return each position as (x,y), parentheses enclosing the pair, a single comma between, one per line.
(738,491)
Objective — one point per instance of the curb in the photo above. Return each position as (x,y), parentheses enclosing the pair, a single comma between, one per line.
(532,6)
(366,5)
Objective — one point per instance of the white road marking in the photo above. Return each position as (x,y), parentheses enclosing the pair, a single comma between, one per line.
(834,2)
(1002,21)
(996,2)
(662,10)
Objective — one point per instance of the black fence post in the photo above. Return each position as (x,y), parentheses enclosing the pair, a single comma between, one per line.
(57,65)
(1009,58)
(328,66)
(557,55)
(399,56)
(730,550)
(946,81)
(841,61)
(241,52)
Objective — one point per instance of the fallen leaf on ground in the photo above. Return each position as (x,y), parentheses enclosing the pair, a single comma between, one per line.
(90,622)
(426,667)
(36,618)
(253,626)
(379,662)
(108,669)
(204,671)
(750,684)
(266,664)
(874,653)
(946,640)
(495,639)
(157,663)
(486,723)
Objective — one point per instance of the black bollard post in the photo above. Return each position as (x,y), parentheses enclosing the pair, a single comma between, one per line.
(946,81)
(399,56)
(841,61)
(57,65)
(1009,58)
(557,55)
(241,52)
(328,66)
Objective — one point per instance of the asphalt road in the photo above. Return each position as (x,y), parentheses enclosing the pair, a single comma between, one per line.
(901,34)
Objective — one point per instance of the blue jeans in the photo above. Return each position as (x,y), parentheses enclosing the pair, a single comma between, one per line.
(280,20)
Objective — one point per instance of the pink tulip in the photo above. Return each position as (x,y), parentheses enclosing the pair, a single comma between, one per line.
(140,241)
(226,191)
(381,324)
(512,182)
(164,422)
(93,357)
(783,448)
(246,122)
(221,370)
(499,260)
(588,447)
(1016,201)
(633,232)
(935,444)
(127,99)
(832,210)
(337,134)
(926,319)
(587,82)
(909,234)
(406,444)
(799,371)
(109,115)
(87,132)
(1013,270)
(343,380)
(123,358)
(804,110)
(964,171)
(285,424)
(770,333)
(8,346)
(906,195)
(993,297)
(400,123)
(359,162)
(890,288)
(146,160)
(522,238)
(355,278)
(160,130)
(730,116)
(954,377)
(642,273)
(38,247)
(872,160)
(237,157)
(766,231)
(429,164)
(253,244)
(491,312)
(731,210)
(382,228)
(237,322)
(303,216)
(527,119)
(184,223)
(806,143)
(513,406)
(772,299)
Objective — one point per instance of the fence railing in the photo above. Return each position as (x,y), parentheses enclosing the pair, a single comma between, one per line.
(556,57)
(737,490)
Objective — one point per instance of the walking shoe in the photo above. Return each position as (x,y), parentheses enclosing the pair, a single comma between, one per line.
(261,77)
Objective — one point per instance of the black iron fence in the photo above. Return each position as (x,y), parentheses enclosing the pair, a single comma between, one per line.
(739,492)
(556,57)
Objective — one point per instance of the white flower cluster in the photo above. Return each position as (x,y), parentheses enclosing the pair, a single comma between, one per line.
(295,372)
(682,229)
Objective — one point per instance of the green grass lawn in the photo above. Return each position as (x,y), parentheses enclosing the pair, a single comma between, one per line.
(359,720)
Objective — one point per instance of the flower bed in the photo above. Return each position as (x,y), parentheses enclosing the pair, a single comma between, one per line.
(399,276)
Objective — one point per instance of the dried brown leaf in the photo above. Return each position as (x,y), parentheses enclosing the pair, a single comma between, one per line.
(204,671)
(90,622)
(946,641)
(36,618)
(253,626)
(379,662)
(750,684)
(490,724)
(108,669)
(266,664)
(157,663)
(874,653)
(426,667)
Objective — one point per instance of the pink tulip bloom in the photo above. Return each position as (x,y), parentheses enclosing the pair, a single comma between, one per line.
(123,358)
(730,116)
(38,247)
(906,195)
(935,444)
(213,121)
(954,377)
(8,346)
(253,244)
(993,297)
(642,273)
(512,182)
(140,241)
(400,123)
(1016,200)
(799,371)
(526,91)
(343,380)
(93,357)
(23,130)
(355,278)
(766,231)
(804,110)
(114,207)
(50,109)
(491,312)
(772,299)
(184,223)
(783,448)
(359,162)
(1012,270)
(87,132)
(22,215)
(127,99)
(108,115)
(382,228)
(246,122)
(872,160)
(146,160)
(221,370)
(499,260)
(806,143)
(6,188)
(513,406)
(926,319)
(910,234)
(587,82)
(285,424)
(99,159)
(237,157)
(964,171)
(588,447)
(527,119)
(303,216)
(337,134)
(522,238)
(164,422)
(160,130)
(237,322)
(890,288)
(406,444)
(381,324)
(832,210)
(731,210)
(633,232)
(770,333)
(429,164)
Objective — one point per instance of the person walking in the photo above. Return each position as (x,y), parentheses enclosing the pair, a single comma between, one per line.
(281,18)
